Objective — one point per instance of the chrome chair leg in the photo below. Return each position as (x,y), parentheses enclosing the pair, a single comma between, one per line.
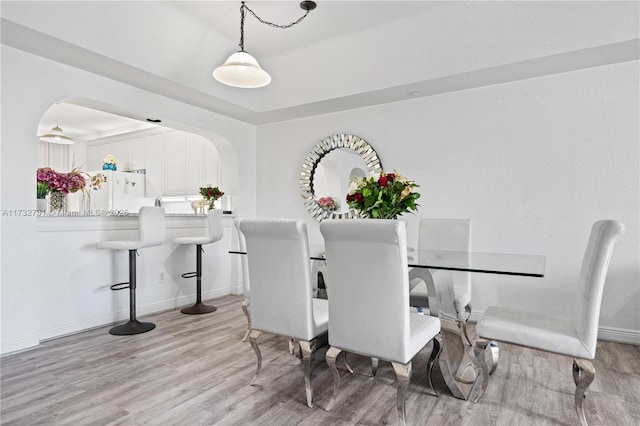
(307,349)
(403,373)
(245,310)
(331,356)
(253,340)
(346,364)
(374,366)
(494,354)
(583,375)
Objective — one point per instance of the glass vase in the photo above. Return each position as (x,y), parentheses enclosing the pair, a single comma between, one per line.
(41,204)
(85,204)
(58,202)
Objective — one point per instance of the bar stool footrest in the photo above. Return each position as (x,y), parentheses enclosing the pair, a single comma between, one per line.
(199,308)
(189,275)
(119,286)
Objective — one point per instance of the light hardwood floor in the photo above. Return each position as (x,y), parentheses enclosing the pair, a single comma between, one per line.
(193,370)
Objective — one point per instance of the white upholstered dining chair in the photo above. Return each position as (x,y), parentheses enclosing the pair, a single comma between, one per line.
(369,299)
(575,335)
(281,292)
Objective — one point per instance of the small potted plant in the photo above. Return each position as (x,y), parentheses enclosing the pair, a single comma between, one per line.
(43,176)
(109,163)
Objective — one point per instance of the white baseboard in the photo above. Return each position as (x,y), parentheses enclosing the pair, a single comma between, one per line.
(611,334)
(123,315)
(620,335)
(19,345)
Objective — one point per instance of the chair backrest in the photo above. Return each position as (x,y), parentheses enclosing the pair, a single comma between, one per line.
(242,246)
(595,263)
(280,271)
(368,284)
(214,225)
(447,234)
(151,228)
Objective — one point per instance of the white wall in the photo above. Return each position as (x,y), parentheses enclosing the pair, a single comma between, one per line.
(533,163)
(30,85)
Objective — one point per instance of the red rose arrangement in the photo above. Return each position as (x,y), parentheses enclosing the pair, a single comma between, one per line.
(386,196)
(211,194)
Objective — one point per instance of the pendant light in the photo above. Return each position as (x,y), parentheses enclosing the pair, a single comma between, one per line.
(56,135)
(241,69)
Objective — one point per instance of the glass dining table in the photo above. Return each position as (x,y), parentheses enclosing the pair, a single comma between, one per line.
(524,265)
(455,358)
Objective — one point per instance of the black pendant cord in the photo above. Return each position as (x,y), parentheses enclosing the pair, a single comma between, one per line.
(307,6)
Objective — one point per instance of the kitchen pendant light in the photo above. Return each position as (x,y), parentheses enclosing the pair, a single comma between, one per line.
(241,69)
(56,135)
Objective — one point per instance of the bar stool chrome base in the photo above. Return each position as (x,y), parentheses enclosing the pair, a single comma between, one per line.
(199,308)
(215,233)
(132,327)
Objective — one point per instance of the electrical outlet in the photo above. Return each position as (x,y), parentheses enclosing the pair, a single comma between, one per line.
(161,277)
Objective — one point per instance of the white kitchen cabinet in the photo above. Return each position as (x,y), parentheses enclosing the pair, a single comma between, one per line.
(211,172)
(120,150)
(194,161)
(53,155)
(177,163)
(154,159)
(96,154)
(137,154)
(174,163)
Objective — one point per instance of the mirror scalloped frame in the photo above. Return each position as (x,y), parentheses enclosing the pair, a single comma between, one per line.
(316,154)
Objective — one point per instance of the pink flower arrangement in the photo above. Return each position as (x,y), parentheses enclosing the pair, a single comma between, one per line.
(49,180)
(327,203)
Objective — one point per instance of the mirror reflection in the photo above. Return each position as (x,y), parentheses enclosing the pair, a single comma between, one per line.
(327,171)
(334,173)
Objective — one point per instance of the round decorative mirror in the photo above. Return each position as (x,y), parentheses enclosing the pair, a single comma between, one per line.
(328,170)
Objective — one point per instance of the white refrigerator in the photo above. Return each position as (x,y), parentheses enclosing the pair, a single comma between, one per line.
(122,191)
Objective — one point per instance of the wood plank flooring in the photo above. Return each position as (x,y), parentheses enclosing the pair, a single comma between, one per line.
(193,370)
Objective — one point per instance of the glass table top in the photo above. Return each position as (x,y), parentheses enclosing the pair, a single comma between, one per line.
(491,263)
(526,265)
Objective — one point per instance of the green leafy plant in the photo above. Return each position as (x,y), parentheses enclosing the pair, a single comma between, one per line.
(386,196)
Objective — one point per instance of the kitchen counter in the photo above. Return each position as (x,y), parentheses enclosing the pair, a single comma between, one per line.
(77,275)
(108,213)
(117,220)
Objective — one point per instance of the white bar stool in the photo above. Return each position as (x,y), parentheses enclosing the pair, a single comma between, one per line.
(151,232)
(215,233)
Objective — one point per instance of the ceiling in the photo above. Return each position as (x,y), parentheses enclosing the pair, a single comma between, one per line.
(344,55)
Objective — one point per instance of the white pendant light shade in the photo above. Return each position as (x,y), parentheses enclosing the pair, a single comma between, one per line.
(56,136)
(242,70)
